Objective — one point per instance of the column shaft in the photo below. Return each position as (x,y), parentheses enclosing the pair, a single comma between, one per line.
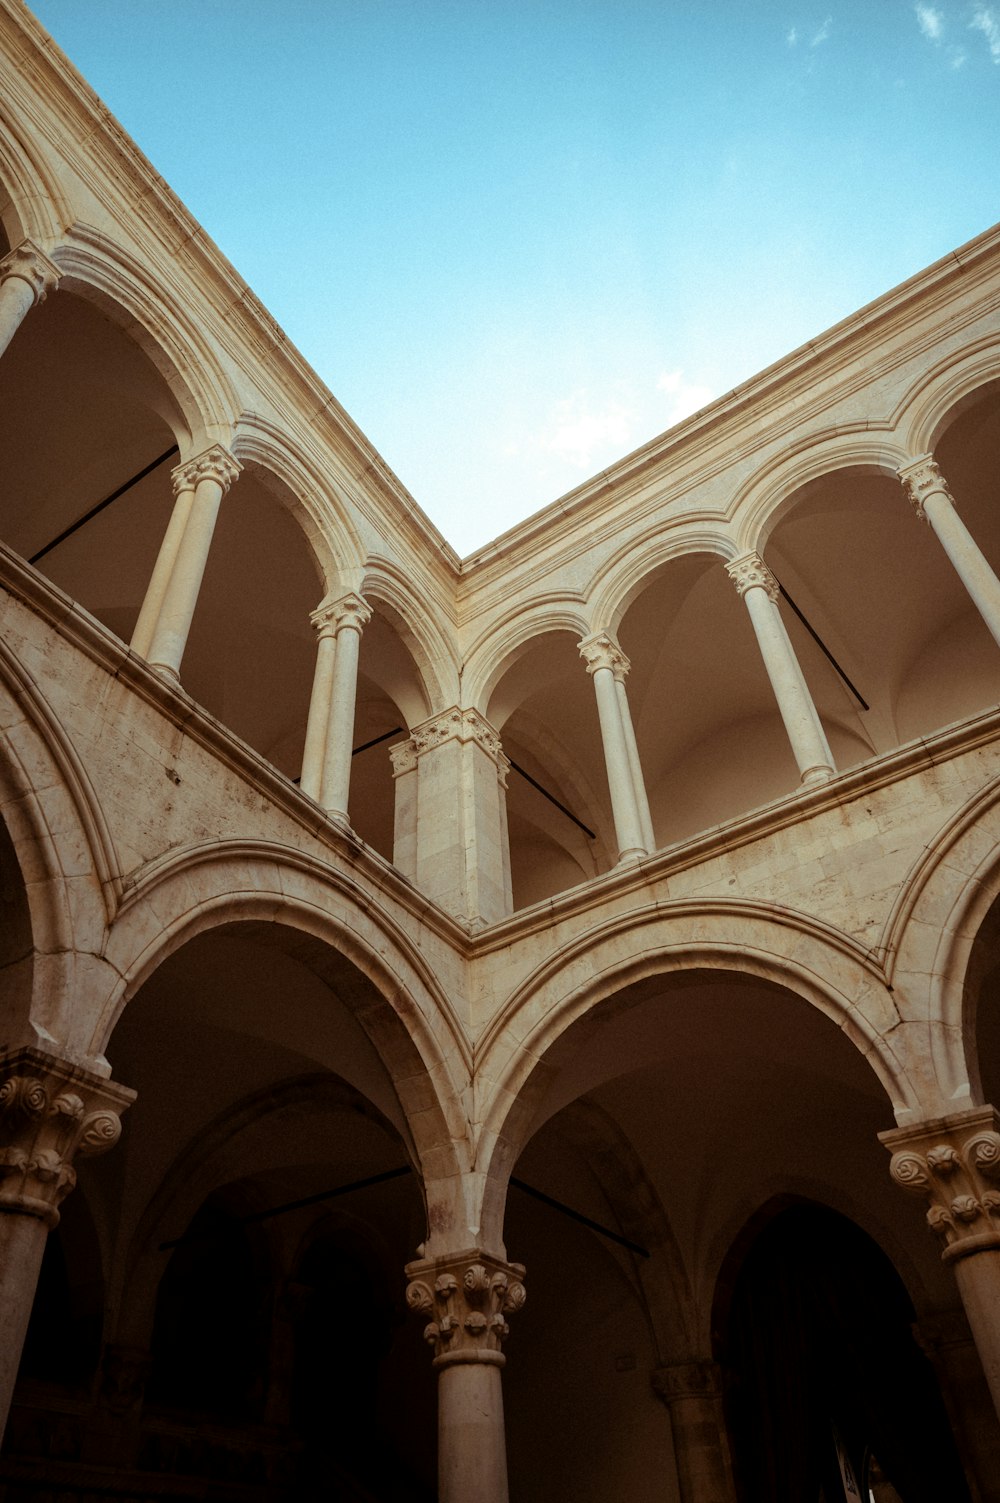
(805,732)
(22,1243)
(152,604)
(210,475)
(606,663)
(691,1392)
(932,500)
(340,724)
(472,1453)
(635,767)
(311,781)
(953,1163)
(26,277)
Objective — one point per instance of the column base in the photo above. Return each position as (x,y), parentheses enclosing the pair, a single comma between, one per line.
(821,774)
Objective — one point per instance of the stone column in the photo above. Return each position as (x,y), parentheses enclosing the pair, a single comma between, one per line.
(692,1392)
(467,1299)
(50,1111)
(450,832)
(635,766)
(211,475)
(933,502)
(759,589)
(349,616)
(26,277)
(953,1163)
(183,479)
(605,663)
(311,781)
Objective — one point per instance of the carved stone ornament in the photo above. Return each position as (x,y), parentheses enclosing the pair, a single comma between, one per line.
(466,1300)
(602,651)
(403,757)
(751,573)
(922,479)
(351,611)
(954,1164)
(460,725)
(51,1111)
(33,266)
(215,464)
(687,1380)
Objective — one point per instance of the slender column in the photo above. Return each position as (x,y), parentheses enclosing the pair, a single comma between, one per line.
(635,766)
(325,621)
(350,615)
(212,473)
(467,1299)
(604,658)
(933,502)
(184,479)
(759,589)
(954,1164)
(50,1111)
(692,1393)
(26,277)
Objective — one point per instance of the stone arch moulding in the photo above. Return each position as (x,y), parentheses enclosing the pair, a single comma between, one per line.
(930,933)
(940,394)
(434,651)
(804,956)
(95,267)
(38,208)
(770,493)
(332,540)
(498,648)
(409,1019)
(66,853)
(201,1167)
(623,577)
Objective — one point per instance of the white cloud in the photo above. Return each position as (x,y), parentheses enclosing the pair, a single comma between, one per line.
(823,33)
(580,431)
(985,20)
(930,21)
(956,57)
(792,37)
(683,397)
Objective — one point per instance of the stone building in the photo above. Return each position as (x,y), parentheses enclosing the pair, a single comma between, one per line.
(621,900)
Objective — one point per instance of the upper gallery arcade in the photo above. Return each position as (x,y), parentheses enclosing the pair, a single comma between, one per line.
(651,849)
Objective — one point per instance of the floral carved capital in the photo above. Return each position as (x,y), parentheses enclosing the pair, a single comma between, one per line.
(687,1380)
(751,573)
(954,1165)
(921,479)
(350,611)
(466,1301)
(602,651)
(403,757)
(463,726)
(50,1113)
(215,464)
(30,265)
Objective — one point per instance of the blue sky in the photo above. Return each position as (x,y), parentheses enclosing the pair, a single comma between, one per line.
(519,239)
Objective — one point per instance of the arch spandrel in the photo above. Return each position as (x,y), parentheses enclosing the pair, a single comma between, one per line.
(772,492)
(624,576)
(504,642)
(430,646)
(388,985)
(941,394)
(806,959)
(34,205)
(96,268)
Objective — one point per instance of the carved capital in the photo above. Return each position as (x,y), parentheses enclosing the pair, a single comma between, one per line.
(751,573)
(124,1371)
(403,757)
(350,611)
(33,266)
(953,1164)
(51,1111)
(687,1380)
(463,726)
(215,464)
(922,479)
(602,651)
(466,1300)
